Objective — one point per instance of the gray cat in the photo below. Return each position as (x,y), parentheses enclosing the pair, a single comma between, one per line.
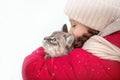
(58,43)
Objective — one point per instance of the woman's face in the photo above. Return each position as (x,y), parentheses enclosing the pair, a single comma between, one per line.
(77,29)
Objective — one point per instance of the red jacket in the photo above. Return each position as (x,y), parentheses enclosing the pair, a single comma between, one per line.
(78,65)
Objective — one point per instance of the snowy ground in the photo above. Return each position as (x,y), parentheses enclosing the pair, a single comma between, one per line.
(23,24)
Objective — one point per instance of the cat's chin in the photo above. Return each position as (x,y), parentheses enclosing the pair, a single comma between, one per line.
(53,51)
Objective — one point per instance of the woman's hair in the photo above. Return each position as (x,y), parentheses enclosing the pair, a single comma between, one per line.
(81,40)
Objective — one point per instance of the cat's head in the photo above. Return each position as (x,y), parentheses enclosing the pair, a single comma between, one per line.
(59,42)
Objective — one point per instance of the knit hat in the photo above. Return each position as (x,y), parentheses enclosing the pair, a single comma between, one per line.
(96,14)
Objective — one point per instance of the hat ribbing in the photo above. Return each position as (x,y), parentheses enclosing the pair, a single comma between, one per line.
(96,14)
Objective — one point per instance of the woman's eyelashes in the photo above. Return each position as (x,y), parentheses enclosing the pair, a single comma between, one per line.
(73,26)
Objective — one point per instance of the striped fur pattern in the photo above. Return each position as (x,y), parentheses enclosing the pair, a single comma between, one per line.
(58,43)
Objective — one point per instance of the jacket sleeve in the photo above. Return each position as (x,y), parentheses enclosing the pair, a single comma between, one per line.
(78,65)
(32,63)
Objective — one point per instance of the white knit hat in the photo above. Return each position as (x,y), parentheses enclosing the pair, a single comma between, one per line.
(96,14)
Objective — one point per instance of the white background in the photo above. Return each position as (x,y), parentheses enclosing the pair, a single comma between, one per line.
(23,25)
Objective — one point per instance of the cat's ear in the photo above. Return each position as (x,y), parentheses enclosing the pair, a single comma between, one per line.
(64,28)
(69,40)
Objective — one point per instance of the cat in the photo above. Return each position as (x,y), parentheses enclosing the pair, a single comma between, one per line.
(59,43)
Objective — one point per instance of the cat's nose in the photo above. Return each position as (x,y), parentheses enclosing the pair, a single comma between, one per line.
(46,38)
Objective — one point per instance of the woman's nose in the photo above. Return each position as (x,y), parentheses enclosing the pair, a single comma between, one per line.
(70,31)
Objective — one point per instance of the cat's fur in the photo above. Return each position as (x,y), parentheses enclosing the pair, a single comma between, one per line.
(58,43)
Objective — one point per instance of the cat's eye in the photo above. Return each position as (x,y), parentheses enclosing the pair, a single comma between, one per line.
(54,39)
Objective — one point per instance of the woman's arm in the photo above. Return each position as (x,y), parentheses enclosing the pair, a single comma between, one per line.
(32,63)
(78,65)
